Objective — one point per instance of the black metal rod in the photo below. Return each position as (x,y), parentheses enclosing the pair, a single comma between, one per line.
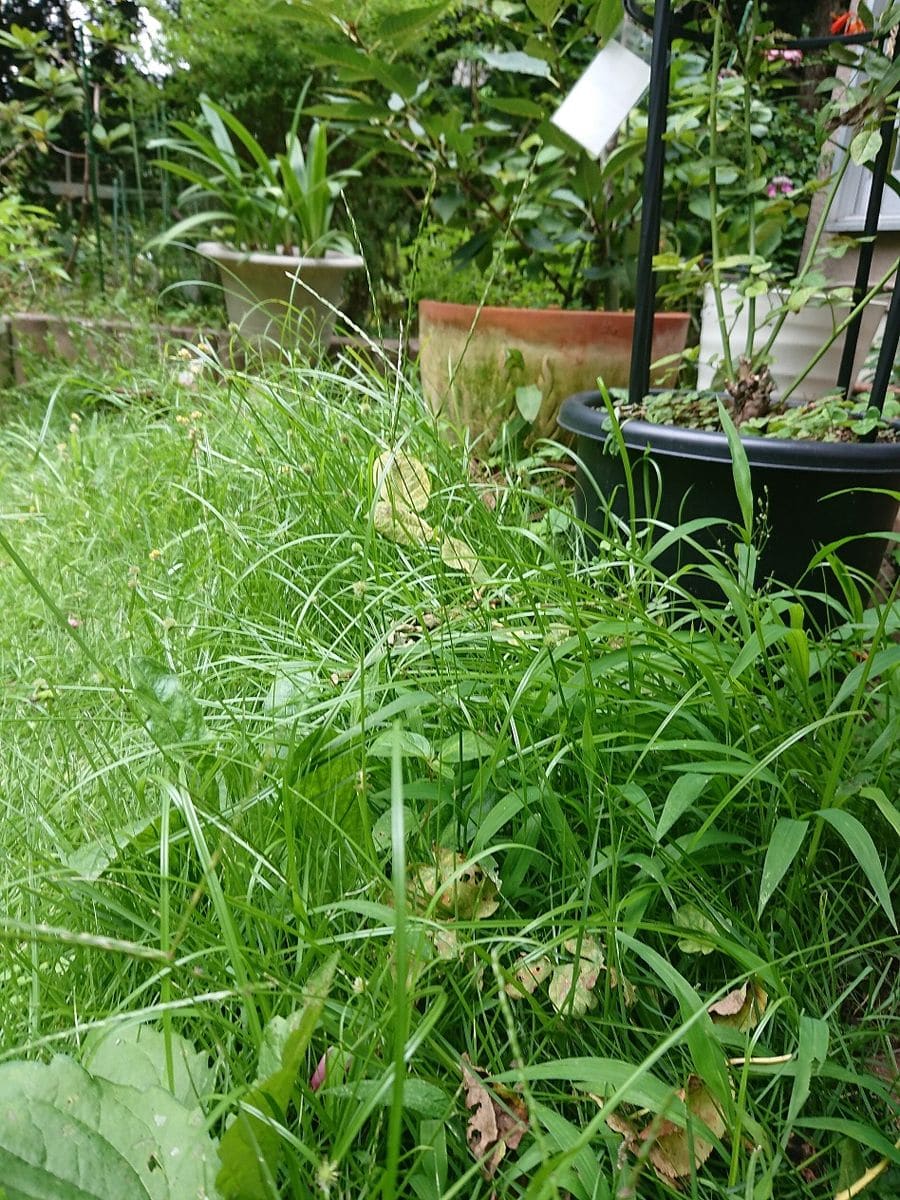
(887,356)
(651,205)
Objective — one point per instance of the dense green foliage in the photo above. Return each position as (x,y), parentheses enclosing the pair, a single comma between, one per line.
(251,720)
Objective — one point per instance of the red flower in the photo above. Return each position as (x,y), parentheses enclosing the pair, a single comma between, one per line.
(847,24)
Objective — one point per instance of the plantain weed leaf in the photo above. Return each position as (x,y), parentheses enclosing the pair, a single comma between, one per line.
(134,1054)
(787,838)
(861,846)
(684,792)
(250,1148)
(175,717)
(68,1135)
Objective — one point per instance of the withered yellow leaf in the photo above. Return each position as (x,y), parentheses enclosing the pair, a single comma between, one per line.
(674,1152)
(462,889)
(401,524)
(459,556)
(529,976)
(404,480)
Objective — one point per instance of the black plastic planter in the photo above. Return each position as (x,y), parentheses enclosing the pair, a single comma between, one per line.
(809,494)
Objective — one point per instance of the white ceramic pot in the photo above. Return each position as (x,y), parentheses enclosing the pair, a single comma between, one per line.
(281,300)
(801,336)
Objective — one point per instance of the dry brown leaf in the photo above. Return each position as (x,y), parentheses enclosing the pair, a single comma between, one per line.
(742,1009)
(670,1148)
(404,480)
(463,890)
(673,1152)
(498,1122)
(529,976)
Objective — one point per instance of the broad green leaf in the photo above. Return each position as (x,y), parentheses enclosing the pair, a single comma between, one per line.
(603,1077)
(865,146)
(684,792)
(606,18)
(65,1135)
(864,1134)
(585,1180)
(465,746)
(812,1047)
(516,61)
(514,106)
(412,745)
(861,846)
(689,916)
(544,10)
(175,716)
(529,398)
(398,25)
(91,860)
(494,820)
(135,1054)
(250,1146)
(787,838)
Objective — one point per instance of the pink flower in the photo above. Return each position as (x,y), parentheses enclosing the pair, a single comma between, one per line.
(318,1076)
(788,56)
(779,185)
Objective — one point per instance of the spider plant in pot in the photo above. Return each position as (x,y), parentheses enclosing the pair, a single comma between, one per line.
(796,481)
(281,260)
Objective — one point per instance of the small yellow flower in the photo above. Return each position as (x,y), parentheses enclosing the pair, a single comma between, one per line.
(155,555)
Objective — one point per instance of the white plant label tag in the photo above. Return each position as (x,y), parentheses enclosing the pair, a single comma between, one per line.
(603,97)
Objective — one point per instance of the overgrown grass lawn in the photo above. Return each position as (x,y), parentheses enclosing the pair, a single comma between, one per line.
(355,851)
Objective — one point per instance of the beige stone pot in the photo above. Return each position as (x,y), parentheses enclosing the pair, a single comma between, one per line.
(472,361)
(281,301)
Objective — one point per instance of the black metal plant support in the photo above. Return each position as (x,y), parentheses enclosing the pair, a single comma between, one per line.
(666,27)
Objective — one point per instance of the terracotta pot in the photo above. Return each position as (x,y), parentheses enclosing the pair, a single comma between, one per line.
(281,301)
(471,362)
